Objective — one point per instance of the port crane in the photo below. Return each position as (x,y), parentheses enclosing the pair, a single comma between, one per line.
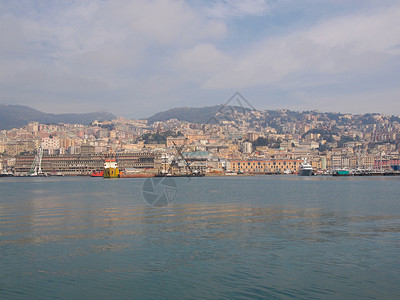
(179,151)
(174,163)
(36,168)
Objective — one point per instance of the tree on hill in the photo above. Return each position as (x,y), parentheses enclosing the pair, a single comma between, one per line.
(159,137)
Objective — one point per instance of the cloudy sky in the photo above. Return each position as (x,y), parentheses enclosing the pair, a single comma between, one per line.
(138,57)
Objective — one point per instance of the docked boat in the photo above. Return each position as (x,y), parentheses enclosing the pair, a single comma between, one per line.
(194,174)
(342,173)
(56,174)
(127,175)
(134,173)
(111,169)
(6,174)
(97,174)
(305,169)
(230,173)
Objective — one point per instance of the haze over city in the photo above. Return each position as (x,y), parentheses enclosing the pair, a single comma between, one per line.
(136,58)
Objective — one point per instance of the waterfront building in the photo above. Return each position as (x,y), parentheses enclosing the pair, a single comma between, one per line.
(265,166)
(316,164)
(386,164)
(336,162)
(324,164)
(84,164)
(198,160)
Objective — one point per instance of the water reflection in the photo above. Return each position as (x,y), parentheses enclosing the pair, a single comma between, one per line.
(265,238)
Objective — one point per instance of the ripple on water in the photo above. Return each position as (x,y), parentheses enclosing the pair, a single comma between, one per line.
(261,237)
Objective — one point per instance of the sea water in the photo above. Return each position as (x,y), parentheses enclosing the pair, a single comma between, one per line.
(234,237)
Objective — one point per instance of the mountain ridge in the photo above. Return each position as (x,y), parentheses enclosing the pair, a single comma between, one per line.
(16,116)
(199,115)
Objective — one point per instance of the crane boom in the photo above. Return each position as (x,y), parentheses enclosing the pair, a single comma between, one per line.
(179,150)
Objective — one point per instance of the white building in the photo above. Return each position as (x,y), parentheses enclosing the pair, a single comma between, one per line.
(247,148)
(50,143)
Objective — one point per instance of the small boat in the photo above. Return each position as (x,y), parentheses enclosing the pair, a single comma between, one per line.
(180,175)
(6,174)
(342,173)
(97,174)
(58,174)
(230,173)
(36,174)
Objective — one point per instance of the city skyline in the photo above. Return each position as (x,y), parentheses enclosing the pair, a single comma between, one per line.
(137,59)
(240,141)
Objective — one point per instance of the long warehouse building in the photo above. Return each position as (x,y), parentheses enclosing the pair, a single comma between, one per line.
(77,164)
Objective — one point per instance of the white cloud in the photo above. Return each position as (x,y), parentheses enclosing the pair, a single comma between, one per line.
(382,101)
(373,31)
(350,44)
(200,62)
(238,8)
(109,42)
(162,49)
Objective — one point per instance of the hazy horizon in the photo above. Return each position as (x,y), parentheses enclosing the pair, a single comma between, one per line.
(142,57)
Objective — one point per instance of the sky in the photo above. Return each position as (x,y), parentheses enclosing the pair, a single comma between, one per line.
(137,57)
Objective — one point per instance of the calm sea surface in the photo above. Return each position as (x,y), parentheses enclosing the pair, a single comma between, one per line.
(266,237)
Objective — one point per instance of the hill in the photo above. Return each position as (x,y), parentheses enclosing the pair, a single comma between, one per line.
(16,116)
(200,115)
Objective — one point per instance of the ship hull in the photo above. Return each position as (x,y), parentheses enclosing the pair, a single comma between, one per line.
(121,175)
(97,174)
(342,173)
(305,173)
(111,173)
(180,175)
(6,175)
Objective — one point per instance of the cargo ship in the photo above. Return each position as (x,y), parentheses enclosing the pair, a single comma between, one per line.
(111,169)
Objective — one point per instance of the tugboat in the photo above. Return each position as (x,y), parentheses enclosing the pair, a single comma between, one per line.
(305,169)
(111,169)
